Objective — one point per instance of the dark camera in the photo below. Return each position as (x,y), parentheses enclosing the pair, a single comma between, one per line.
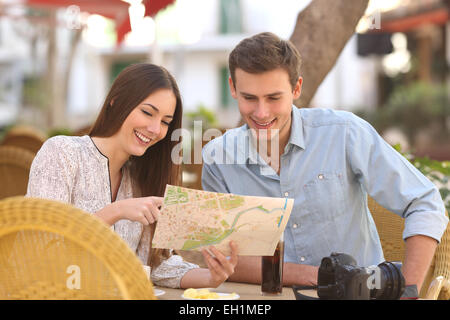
(341,279)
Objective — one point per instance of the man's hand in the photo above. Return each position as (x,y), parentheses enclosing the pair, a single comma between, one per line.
(248,270)
(219,269)
(220,266)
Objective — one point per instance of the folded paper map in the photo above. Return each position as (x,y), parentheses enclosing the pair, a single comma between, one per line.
(194,219)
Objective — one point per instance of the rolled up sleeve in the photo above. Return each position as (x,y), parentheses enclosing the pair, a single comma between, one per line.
(170,272)
(394,182)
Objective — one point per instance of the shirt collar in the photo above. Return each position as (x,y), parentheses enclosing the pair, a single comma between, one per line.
(296,138)
(241,139)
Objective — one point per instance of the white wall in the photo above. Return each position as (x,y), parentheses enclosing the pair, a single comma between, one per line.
(351,84)
(200,18)
(88,82)
(13,64)
(278,17)
(199,80)
(196,66)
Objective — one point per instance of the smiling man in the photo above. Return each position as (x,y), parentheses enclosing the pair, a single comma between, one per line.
(328,161)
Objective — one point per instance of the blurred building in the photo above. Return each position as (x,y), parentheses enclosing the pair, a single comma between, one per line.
(12,56)
(199,58)
(426,29)
(425,26)
(192,38)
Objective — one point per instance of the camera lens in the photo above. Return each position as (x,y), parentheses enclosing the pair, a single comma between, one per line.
(392,283)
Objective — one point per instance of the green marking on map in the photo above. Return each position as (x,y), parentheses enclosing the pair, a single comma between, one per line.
(171,197)
(209,204)
(194,219)
(214,235)
(263,209)
(193,244)
(183,196)
(231,202)
(225,224)
(175,195)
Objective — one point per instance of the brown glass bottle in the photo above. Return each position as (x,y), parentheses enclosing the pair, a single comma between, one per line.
(272,271)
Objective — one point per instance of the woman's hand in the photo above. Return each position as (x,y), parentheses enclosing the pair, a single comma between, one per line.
(144,210)
(220,267)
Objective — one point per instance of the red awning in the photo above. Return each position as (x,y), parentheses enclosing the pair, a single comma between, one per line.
(112,9)
(403,24)
(152,7)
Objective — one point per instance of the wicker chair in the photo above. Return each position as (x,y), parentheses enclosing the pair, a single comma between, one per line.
(52,250)
(25,138)
(390,228)
(15,166)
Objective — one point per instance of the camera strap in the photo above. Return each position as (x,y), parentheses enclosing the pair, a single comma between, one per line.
(300,296)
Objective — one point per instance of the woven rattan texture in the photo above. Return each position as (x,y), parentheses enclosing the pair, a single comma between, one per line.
(24,137)
(15,166)
(442,263)
(390,229)
(52,250)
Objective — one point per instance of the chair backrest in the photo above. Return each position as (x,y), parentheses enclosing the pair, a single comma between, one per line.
(25,138)
(192,172)
(390,229)
(442,263)
(52,250)
(15,166)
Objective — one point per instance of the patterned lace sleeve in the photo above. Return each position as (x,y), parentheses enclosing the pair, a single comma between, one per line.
(170,271)
(52,171)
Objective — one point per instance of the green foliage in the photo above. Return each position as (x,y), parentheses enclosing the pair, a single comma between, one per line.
(414,107)
(437,171)
(208,117)
(417,106)
(59,132)
(35,92)
(4,130)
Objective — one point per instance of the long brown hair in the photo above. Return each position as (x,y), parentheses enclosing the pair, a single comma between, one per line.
(154,169)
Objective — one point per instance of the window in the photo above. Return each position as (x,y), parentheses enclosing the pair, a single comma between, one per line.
(117,67)
(230,16)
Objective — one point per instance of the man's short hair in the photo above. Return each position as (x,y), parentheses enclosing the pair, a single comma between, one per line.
(265,52)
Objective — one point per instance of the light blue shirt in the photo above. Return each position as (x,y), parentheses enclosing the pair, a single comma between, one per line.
(332,160)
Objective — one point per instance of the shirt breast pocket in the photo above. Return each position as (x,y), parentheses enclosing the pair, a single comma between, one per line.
(325,200)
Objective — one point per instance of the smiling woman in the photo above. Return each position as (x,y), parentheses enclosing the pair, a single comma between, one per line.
(147,124)
(127,127)
(120,170)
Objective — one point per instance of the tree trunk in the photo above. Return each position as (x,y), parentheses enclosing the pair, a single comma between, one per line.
(321,32)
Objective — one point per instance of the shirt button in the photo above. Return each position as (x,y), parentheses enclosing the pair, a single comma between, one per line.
(320,176)
(294,226)
(302,259)
(286,194)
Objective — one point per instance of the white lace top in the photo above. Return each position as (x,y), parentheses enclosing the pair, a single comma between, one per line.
(73,170)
